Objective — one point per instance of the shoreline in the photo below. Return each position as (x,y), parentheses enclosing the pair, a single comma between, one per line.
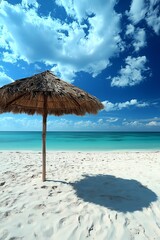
(87,195)
(85,151)
(81,141)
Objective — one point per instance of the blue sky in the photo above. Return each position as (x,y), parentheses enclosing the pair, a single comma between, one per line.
(109,48)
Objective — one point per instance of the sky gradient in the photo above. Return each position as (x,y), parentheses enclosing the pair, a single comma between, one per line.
(109,48)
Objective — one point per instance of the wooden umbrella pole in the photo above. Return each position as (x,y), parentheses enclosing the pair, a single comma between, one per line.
(44,140)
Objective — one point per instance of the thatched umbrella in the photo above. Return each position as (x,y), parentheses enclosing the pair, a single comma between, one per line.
(44,94)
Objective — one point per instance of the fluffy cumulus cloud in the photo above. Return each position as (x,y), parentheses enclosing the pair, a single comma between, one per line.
(146,10)
(138,35)
(85,124)
(133,124)
(137,10)
(132,73)
(153,15)
(147,124)
(109,106)
(81,44)
(26,123)
(139,39)
(153,124)
(112,119)
(30,3)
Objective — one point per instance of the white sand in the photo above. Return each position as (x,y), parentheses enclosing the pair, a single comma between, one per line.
(101,195)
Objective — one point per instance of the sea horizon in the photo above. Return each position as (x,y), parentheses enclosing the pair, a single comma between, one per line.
(80,140)
(76,131)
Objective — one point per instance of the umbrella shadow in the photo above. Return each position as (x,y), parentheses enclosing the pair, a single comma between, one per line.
(123,195)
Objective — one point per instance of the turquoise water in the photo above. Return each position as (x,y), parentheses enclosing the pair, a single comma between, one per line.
(91,141)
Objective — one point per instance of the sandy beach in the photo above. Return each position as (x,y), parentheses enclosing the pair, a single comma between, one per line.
(87,195)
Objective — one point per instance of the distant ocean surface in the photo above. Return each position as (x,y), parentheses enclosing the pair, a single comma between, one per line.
(87,141)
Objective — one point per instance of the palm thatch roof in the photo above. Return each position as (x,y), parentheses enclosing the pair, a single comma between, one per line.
(46,91)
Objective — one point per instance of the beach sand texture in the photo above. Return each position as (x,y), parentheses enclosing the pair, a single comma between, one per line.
(94,195)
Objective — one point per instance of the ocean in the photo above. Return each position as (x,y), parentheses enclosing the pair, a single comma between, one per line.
(81,141)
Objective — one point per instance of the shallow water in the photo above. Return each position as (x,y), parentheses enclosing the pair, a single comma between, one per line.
(91,141)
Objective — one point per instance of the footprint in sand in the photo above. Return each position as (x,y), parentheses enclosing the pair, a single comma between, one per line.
(30,218)
(19,225)
(44,187)
(7,214)
(40,206)
(62,222)
(50,193)
(2,183)
(69,220)
(30,221)
(16,238)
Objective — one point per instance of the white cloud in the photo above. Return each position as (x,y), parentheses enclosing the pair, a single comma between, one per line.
(133,124)
(144,124)
(4,41)
(130,29)
(139,39)
(108,106)
(153,124)
(29,3)
(4,78)
(131,74)
(37,67)
(9,57)
(153,15)
(137,10)
(99,124)
(27,123)
(66,72)
(100,121)
(9,123)
(85,124)
(138,35)
(66,47)
(146,10)
(112,120)
(59,124)
(23,122)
